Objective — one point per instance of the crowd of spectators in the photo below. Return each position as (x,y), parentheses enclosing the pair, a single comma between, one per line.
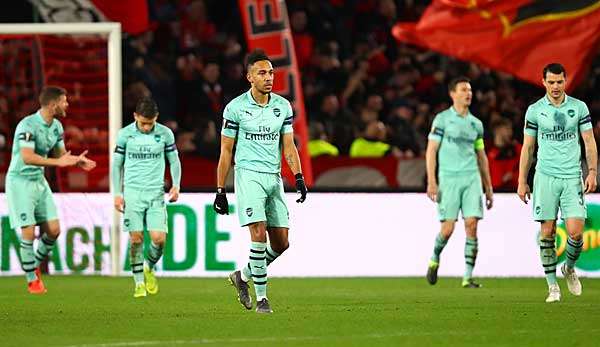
(360,85)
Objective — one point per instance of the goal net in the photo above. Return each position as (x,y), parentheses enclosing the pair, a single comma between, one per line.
(85,59)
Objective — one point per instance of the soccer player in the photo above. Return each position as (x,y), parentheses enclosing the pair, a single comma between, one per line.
(456,138)
(140,157)
(30,201)
(555,122)
(260,122)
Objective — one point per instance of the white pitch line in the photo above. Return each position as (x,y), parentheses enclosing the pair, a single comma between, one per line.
(242,340)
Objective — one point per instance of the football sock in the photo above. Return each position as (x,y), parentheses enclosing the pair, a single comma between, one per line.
(137,262)
(45,245)
(258,265)
(549,261)
(440,243)
(470,257)
(28,260)
(573,251)
(270,254)
(154,254)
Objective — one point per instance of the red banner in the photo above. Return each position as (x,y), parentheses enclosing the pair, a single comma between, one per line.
(266,25)
(133,14)
(518,37)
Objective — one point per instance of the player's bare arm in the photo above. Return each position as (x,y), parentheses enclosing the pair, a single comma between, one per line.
(31,158)
(290,152)
(221,205)
(484,170)
(84,162)
(591,157)
(224,160)
(524,165)
(431,164)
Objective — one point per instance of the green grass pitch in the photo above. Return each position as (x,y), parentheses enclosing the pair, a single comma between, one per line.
(100,311)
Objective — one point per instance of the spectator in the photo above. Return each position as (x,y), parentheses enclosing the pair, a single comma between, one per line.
(337,122)
(371,143)
(319,144)
(503,155)
(403,133)
(303,40)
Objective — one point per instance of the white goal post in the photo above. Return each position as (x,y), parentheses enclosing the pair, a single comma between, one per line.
(113,31)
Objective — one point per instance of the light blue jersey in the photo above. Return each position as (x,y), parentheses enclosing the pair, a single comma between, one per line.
(459,138)
(257,130)
(557,131)
(33,132)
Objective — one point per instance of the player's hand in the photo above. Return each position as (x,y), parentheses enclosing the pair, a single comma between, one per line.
(432,191)
(221,206)
(67,159)
(301,187)
(524,192)
(86,163)
(489,198)
(590,182)
(119,204)
(173,194)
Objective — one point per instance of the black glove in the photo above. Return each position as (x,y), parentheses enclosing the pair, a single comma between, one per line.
(221,206)
(301,187)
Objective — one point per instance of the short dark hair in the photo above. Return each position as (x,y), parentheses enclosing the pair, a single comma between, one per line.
(455,81)
(502,122)
(254,56)
(51,93)
(555,68)
(147,108)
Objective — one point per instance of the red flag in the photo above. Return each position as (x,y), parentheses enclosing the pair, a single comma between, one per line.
(267,26)
(133,14)
(519,37)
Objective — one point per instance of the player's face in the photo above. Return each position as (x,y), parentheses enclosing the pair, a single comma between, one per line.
(59,106)
(144,124)
(462,94)
(261,75)
(555,84)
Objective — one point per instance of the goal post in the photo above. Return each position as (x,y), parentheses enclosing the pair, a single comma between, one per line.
(113,32)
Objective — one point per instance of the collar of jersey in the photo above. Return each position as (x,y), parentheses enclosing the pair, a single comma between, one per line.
(253,102)
(40,119)
(141,132)
(458,115)
(548,102)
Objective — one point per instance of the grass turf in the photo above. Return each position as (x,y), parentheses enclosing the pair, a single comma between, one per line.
(100,311)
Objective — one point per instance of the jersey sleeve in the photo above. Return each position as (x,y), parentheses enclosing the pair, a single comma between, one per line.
(288,121)
(118,160)
(585,119)
(170,142)
(531,122)
(25,135)
(231,123)
(60,142)
(121,143)
(437,129)
(479,145)
(173,158)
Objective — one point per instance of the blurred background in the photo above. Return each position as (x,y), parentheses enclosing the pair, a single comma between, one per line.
(362,87)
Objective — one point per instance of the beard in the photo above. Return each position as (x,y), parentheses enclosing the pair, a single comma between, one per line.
(59,112)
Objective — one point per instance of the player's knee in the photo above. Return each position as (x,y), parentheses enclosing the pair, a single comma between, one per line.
(54,233)
(447,229)
(159,241)
(136,239)
(548,231)
(281,247)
